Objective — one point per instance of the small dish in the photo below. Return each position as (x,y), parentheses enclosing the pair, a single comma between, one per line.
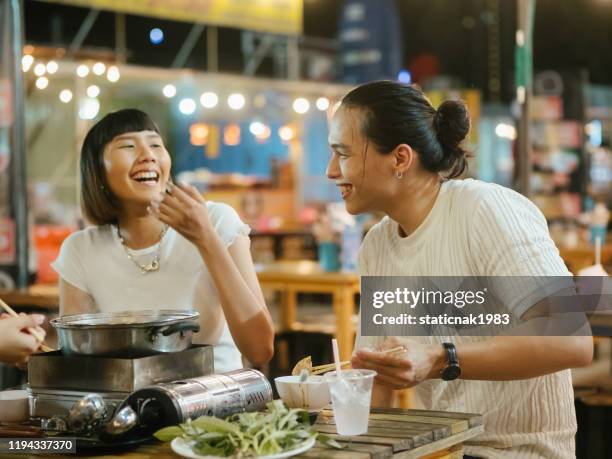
(312,394)
(14,406)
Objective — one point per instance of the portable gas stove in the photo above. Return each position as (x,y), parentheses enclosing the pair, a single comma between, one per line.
(57,381)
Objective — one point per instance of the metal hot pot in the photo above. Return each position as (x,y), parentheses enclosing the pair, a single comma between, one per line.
(126,334)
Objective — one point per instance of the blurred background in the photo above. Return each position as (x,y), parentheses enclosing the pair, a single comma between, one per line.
(243,92)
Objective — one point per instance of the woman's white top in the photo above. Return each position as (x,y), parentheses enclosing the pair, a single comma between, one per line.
(94,261)
(481,229)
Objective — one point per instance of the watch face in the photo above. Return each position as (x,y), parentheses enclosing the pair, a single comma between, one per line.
(451,372)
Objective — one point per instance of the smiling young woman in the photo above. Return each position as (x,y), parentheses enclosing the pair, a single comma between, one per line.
(155,245)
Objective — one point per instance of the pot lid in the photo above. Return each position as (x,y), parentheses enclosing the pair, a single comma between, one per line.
(125,319)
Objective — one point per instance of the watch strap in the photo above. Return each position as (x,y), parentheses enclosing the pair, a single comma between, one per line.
(451,353)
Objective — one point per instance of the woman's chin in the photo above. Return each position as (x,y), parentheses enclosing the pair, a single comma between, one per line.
(143,199)
(150,192)
(354,208)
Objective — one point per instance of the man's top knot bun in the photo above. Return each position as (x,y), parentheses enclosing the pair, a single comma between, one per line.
(452,125)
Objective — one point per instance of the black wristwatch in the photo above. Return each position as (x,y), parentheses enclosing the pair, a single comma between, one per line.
(452,370)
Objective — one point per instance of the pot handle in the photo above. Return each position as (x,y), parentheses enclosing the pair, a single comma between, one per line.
(180,327)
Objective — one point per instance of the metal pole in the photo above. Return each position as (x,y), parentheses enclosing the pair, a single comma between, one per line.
(212,49)
(18,182)
(83,31)
(293,59)
(524,148)
(493,50)
(524,84)
(256,57)
(188,44)
(120,40)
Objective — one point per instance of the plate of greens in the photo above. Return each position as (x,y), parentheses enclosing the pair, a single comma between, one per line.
(182,448)
(278,432)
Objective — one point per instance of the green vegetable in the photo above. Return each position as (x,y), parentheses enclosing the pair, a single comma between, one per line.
(244,435)
(168,433)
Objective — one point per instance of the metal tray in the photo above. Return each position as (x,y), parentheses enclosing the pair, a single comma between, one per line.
(50,402)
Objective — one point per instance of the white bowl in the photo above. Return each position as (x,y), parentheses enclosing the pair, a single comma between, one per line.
(313,394)
(14,406)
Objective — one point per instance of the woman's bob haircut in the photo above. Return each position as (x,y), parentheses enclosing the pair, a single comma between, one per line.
(100,205)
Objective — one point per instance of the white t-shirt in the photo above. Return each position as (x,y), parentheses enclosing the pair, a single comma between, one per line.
(481,229)
(94,261)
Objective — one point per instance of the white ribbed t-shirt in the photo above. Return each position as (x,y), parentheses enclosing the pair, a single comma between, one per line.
(482,229)
(94,261)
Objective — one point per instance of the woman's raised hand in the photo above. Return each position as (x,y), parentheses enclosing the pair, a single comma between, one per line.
(184,209)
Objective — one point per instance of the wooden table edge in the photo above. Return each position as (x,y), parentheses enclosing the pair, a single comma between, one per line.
(441,444)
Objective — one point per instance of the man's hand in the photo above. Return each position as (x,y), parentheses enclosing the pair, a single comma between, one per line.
(402,370)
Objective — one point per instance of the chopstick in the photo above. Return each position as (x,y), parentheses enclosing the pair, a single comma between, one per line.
(330,366)
(33,331)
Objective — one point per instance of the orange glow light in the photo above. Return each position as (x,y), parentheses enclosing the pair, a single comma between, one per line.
(198,134)
(231,134)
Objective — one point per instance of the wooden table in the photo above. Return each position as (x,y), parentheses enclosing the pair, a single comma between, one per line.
(401,434)
(293,277)
(583,255)
(37,296)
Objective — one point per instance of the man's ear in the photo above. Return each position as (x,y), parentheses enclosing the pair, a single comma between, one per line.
(405,157)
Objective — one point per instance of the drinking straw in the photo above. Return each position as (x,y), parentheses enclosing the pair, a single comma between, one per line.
(336,357)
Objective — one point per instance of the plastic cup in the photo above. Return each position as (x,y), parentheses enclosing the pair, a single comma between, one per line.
(351,395)
(329,256)
(598,231)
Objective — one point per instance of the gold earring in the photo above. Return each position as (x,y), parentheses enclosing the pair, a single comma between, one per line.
(399,175)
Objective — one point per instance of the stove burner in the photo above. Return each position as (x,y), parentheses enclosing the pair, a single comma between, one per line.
(57,381)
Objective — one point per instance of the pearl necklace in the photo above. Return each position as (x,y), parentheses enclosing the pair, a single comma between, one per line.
(154,265)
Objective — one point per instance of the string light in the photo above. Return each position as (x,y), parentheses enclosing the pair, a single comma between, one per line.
(286,133)
(93,91)
(263,132)
(82,71)
(404,76)
(112,74)
(322,103)
(65,95)
(209,100)
(257,128)
(301,105)
(99,68)
(187,106)
(169,91)
(88,108)
(505,131)
(40,69)
(26,62)
(52,67)
(236,101)
(156,36)
(42,82)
